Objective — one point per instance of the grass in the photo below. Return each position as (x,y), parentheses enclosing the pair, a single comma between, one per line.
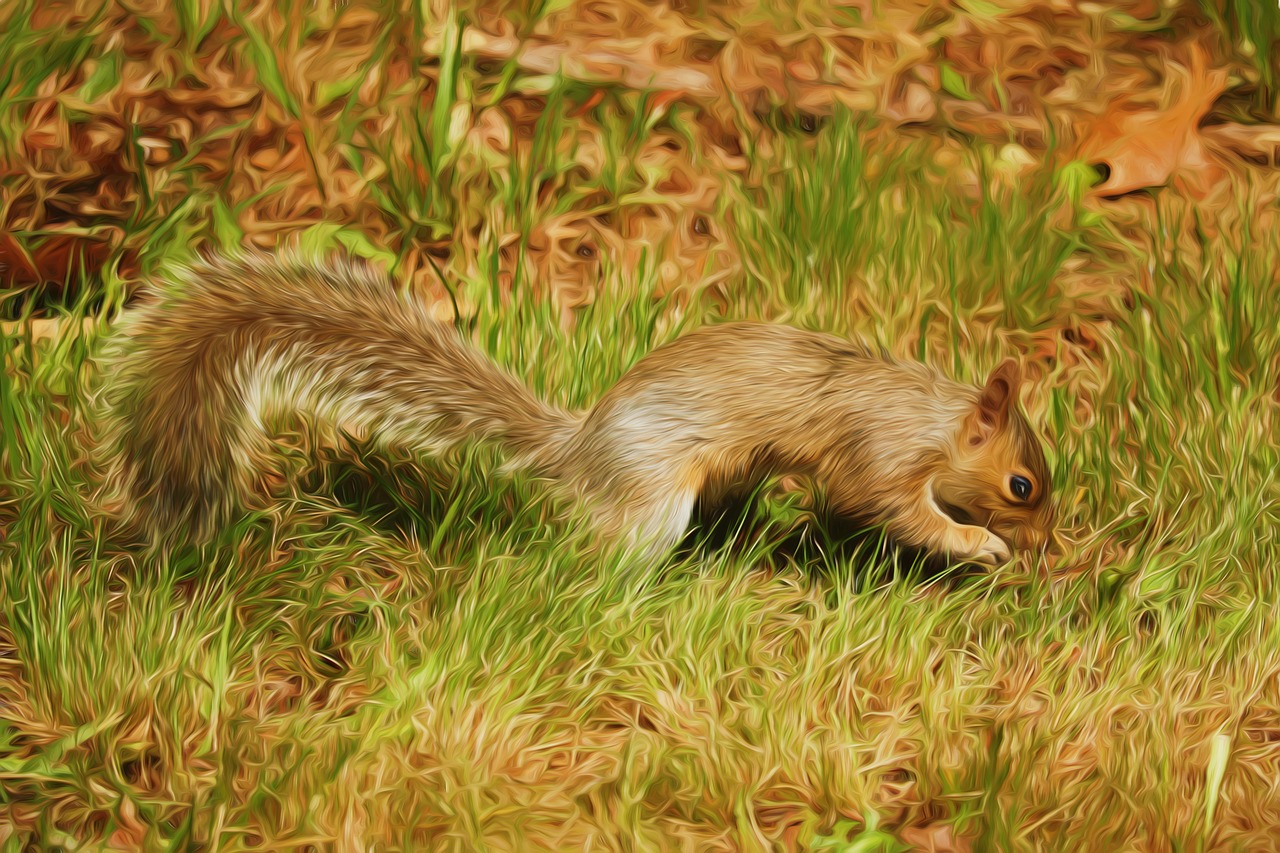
(423,654)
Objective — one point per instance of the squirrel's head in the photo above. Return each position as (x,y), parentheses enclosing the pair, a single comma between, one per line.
(997,476)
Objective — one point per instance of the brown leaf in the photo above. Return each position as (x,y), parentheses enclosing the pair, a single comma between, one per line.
(1144,146)
(58,259)
(16,265)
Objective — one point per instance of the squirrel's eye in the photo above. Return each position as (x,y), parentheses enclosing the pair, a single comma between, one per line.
(1020,486)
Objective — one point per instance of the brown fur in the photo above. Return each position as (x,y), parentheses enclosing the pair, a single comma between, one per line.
(196,379)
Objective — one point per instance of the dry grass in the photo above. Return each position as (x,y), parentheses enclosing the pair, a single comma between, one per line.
(423,655)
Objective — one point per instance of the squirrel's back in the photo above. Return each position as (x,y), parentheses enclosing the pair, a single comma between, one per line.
(195,380)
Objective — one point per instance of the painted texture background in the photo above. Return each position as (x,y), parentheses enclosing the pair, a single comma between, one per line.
(440,662)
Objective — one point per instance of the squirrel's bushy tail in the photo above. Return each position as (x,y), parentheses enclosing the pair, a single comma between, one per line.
(193,382)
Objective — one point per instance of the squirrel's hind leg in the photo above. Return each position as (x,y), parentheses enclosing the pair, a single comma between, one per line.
(650,527)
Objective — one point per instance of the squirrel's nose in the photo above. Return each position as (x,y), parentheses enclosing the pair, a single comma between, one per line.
(1039,538)
(1054,545)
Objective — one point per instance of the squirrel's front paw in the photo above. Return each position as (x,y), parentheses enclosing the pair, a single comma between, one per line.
(989,550)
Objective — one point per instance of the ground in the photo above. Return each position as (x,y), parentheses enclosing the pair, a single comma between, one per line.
(428,655)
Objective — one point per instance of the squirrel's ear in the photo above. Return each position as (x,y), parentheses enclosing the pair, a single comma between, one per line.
(997,397)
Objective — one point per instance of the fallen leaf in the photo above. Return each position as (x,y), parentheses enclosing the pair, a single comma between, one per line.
(1142,146)
(16,264)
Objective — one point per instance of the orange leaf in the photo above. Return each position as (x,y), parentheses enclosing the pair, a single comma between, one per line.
(1144,147)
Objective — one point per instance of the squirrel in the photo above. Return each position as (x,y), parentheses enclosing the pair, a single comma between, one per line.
(195,378)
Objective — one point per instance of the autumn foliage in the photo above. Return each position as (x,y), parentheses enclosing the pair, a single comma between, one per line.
(131,131)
